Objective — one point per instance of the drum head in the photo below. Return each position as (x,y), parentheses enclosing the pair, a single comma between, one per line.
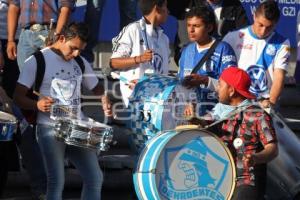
(7,118)
(185,164)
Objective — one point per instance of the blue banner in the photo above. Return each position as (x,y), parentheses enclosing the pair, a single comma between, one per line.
(288,18)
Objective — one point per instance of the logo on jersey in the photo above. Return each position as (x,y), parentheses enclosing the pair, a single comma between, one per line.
(259,81)
(244,46)
(158,63)
(190,176)
(271,50)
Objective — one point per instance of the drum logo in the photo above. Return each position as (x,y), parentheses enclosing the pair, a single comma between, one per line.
(193,171)
(259,81)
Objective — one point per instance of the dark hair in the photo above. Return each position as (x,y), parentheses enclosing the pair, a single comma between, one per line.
(269,9)
(76,29)
(204,12)
(146,6)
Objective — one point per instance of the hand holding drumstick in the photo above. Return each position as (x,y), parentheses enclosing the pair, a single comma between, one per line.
(44,103)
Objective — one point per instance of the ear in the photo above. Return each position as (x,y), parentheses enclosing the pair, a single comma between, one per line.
(61,38)
(210,28)
(231,91)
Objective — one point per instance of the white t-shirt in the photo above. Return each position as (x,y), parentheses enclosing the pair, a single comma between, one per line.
(259,57)
(132,41)
(62,81)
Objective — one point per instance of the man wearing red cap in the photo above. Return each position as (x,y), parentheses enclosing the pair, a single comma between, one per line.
(247,130)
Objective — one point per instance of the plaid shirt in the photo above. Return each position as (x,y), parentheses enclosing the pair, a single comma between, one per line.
(255,128)
(40,11)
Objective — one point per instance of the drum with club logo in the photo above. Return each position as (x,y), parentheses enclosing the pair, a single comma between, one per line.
(185,163)
(157,104)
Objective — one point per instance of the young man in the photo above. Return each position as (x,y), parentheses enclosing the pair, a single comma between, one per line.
(230,15)
(248,132)
(263,53)
(63,78)
(142,47)
(201,24)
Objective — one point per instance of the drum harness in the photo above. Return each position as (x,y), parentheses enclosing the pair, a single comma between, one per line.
(33,93)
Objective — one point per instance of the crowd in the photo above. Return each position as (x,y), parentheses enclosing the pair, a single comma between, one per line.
(45,58)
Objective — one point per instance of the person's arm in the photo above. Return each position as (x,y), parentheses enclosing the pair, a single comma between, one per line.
(63,17)
(21,99)
(106,104)
(269,153)
(277,85)
(267,136)
(12,23)
(123,63)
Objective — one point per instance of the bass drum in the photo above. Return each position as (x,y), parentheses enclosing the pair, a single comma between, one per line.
(157,104)
(284,171)
(185,164)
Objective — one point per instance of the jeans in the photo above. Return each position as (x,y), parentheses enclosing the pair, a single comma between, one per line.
(92,19)
(127,9)
(127,12)
(86,161)
(29,43)
(32,159)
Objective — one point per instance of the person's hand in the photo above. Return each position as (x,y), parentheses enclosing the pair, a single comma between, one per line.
(250,160)
(132,83)
(106,105)
(266,103)
(11,50)
(189,111)
(194,80)
(45,103)
(145,57)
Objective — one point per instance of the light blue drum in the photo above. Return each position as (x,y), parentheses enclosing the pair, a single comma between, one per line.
(185,164)
(8,126)
(157,104)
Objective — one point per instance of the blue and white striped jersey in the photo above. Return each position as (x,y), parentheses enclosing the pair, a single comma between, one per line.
(259,57)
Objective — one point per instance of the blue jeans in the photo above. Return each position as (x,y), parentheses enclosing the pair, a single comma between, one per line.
(29,42)
(93,13)
(127,12)
(92,19)
(86,161)
(33,161)
(32,157)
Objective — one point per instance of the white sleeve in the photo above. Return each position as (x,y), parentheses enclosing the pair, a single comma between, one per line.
(89,78)
(212,84)
(28,72)
(281,60)
(123,43)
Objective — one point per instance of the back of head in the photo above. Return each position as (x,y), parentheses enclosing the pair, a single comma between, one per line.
(269,9)
(74,30)
(146,6)
(205,13)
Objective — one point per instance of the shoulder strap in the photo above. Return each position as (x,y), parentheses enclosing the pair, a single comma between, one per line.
(205,57)
(40,70)
(80,62)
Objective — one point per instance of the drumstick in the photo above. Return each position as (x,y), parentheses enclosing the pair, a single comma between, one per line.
(63,108)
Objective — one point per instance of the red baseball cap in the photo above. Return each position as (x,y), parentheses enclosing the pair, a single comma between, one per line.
(239,80)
